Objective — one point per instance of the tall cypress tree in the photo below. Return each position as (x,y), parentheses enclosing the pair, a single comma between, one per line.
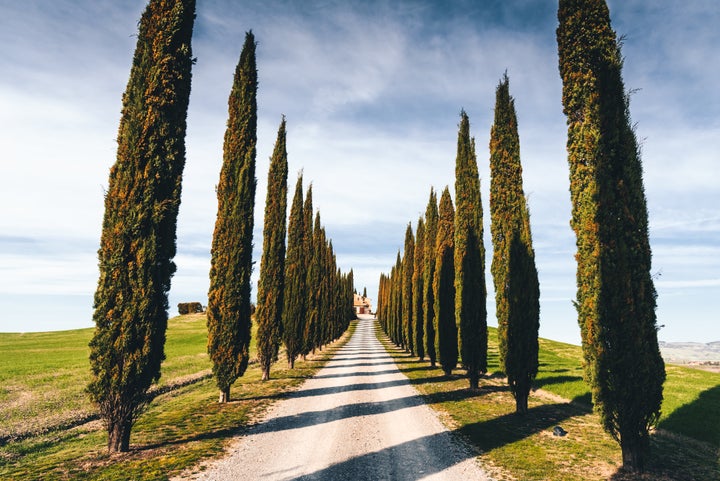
(418,291)
(517,292)
(444,286)
(431,226)
(295,278)
(470,290)
(138,231)
(407,297)
(313,331)
(271,284)
(231,256)
(305,335)
(398,301)
(616,298)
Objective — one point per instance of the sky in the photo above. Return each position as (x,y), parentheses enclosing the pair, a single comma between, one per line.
(372,92)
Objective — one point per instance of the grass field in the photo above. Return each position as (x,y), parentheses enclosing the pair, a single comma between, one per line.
(44,376)
(523,447)
(44,408)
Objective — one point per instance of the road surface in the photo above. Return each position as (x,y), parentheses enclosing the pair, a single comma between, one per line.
(359,418)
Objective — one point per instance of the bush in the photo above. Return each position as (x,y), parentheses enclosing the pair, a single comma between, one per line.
(190,308)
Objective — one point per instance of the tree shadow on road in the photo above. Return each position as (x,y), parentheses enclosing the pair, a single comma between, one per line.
(422,457)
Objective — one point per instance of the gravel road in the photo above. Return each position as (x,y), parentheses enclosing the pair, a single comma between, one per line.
(359,418)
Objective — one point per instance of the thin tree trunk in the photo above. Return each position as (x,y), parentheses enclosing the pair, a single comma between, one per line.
(266,373)
(521,402)
(474,379)
(224,396)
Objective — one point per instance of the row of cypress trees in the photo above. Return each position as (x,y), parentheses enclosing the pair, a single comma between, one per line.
(437,295)
(138,238)
(616,298)
(318,301)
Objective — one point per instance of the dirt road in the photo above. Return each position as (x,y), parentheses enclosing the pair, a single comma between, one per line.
(359,418)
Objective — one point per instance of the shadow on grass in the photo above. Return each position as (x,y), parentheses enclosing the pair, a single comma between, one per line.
(699,419)
(546,381)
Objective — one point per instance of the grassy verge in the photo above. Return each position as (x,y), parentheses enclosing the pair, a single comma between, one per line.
(180,428)
(524,448)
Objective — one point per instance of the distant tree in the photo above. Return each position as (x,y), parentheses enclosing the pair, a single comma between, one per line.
(398,301)
(407,297)
(517,292)
(295,298)
(444,286)
(470,290)
(364,292)
(271,284)
(418,291)
(139,225)
(313,330)
(431,226)
(307,330)
(616,298)
(231,255)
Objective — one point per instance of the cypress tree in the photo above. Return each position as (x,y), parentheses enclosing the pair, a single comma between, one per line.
(407,297)
(231,256)
(444,286)
(272,264)
(470,290)
(139,225)
(517,292)
(431,226)
(418,291)
(398,297)
(313,330)
(616,298)
(306,336)
(295,298)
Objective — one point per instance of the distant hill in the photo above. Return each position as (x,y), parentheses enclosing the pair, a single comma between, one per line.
(692,353)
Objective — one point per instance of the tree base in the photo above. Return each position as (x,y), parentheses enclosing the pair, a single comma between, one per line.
(224,396)
(633,454)
(119,437)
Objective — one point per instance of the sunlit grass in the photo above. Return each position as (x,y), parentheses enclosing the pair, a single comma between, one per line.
(523,447)
(178,430)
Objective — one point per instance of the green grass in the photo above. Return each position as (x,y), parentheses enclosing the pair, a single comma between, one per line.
(523,447)
(179,429)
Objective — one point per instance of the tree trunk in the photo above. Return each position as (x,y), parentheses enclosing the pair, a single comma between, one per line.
(432,363)
(474,379)
(291,363)
(119,437)
(224,396)
(633,454)
(266,373)
(521,402)
(448,372)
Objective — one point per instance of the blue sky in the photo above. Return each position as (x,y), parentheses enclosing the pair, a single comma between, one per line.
(372,96)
